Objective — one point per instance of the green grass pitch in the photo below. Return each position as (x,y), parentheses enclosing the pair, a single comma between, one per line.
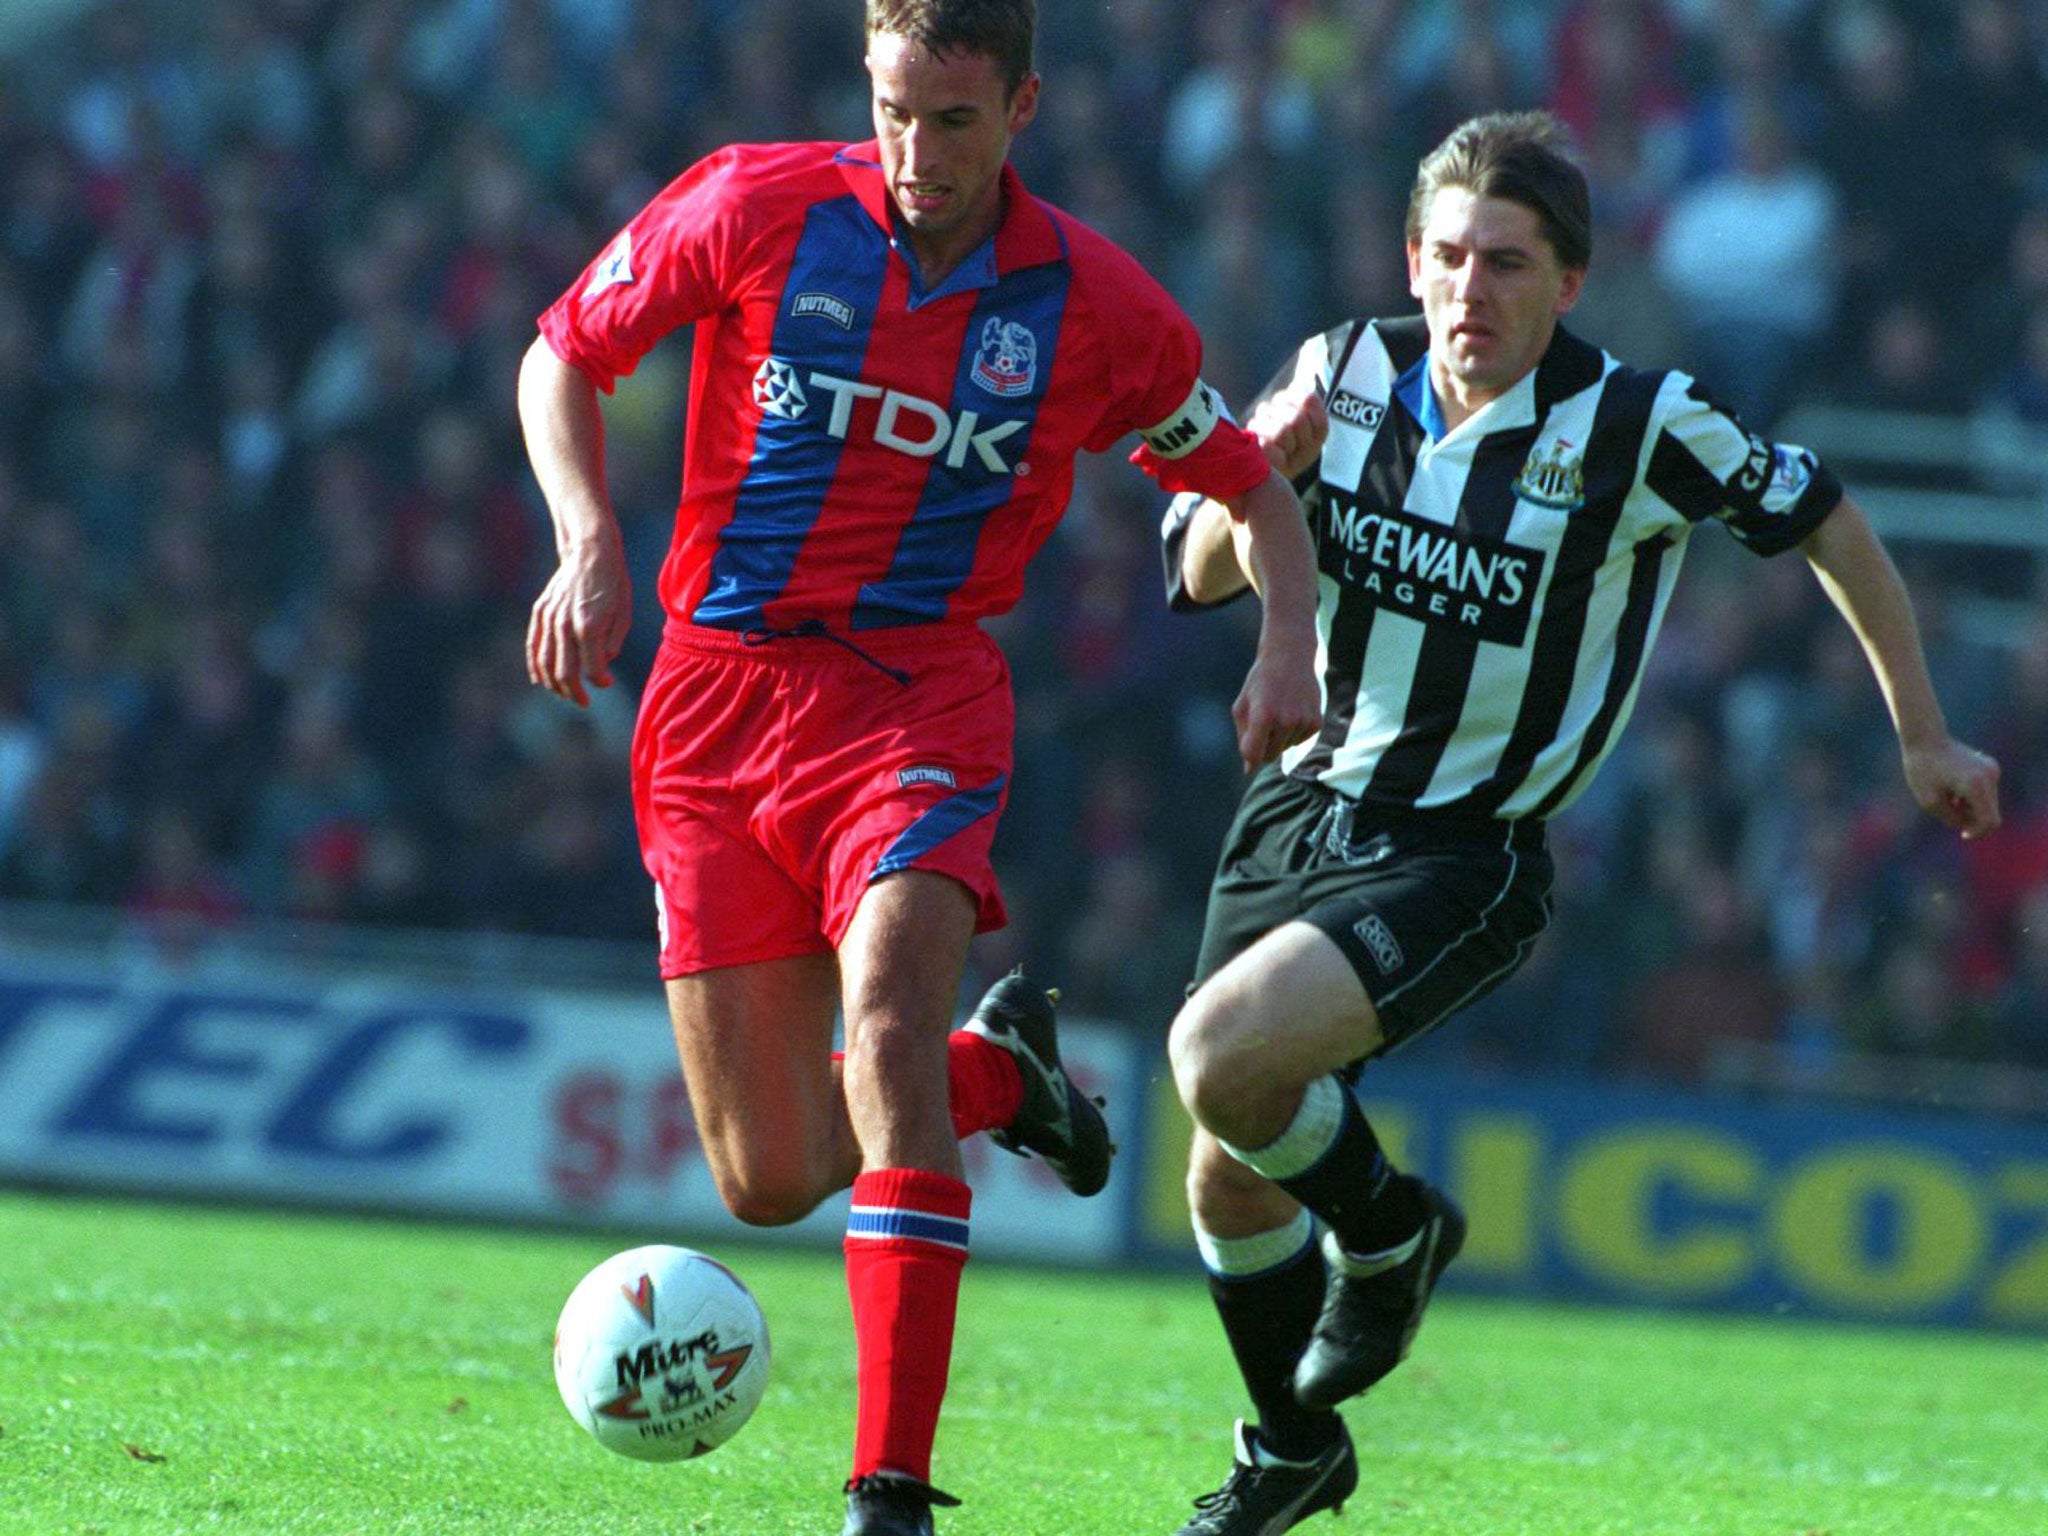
(169,1370)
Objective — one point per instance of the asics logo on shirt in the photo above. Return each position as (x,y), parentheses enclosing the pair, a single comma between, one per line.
(903,422)
(1356,409)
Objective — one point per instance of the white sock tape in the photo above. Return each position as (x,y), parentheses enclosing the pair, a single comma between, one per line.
(1238,1258)
(1309,1135)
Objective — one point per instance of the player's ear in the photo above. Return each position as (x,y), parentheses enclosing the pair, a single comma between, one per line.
(1415,269)
(1569,290)
(1023,102)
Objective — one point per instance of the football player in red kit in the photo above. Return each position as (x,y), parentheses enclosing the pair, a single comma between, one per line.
(898,353)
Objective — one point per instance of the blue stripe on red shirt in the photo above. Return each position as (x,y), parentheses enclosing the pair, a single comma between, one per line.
(780,256)
(842,255)
(936,553)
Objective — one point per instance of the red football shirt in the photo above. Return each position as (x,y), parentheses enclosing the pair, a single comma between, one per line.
(862,451)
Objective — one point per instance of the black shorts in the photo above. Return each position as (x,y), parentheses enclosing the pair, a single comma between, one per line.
(1433,912)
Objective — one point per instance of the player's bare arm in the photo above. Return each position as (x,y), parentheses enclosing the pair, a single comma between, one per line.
(1215,559)
(1950,780)
(1281,702)
(1211,566)
(580,619)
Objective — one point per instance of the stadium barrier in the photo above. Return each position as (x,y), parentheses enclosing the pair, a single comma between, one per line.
(1640,1196)
(260,1080)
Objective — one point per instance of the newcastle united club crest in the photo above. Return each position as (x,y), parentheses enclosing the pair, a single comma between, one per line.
(1554,481)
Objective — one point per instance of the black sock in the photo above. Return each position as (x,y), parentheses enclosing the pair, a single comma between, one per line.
(1268,1318)
(1356,1191)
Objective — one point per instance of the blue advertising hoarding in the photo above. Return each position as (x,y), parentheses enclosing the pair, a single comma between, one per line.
(1645,1196)
(370,1091)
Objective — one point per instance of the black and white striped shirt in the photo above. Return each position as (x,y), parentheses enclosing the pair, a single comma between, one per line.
(1488,595)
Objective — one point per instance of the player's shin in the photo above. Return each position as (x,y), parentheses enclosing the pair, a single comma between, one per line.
(1329,1159)
(1390,1237)
(983,1085)
(1268,1289)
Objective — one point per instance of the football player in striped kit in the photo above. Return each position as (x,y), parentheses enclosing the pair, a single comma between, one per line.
(898,353)
(1500,511)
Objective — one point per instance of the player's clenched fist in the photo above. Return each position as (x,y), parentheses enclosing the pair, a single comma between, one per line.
(1291,428)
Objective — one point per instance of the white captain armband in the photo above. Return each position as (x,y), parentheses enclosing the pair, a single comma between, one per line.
(1187,428)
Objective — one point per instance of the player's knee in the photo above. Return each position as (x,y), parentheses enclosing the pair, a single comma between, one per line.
(1210,1062)
(768,1197)
(1184,1054)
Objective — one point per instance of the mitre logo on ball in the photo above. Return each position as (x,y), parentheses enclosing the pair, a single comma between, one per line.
(661,1353)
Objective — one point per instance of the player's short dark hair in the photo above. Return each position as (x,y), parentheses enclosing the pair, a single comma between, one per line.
(1524,157)
(1001,29)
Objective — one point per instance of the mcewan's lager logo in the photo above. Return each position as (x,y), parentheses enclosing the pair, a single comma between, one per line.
(1429,571)
(1554,481)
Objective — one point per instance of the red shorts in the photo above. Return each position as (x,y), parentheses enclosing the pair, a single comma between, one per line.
(773,783)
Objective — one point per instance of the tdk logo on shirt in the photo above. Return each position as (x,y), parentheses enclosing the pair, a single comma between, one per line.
(906,423)
(777,392)
(1429,572)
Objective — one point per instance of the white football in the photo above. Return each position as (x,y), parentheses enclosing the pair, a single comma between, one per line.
(661,1353)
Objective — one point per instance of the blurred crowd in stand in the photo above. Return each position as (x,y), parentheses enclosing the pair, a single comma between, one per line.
(268,541)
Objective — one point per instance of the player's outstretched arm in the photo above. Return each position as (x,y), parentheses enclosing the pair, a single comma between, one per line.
(580,619)
(1950,780)
(1281,702)
(1216,556)
(1211,565)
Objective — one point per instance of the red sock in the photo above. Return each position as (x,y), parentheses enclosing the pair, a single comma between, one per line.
(906,1243)
(986,1087)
